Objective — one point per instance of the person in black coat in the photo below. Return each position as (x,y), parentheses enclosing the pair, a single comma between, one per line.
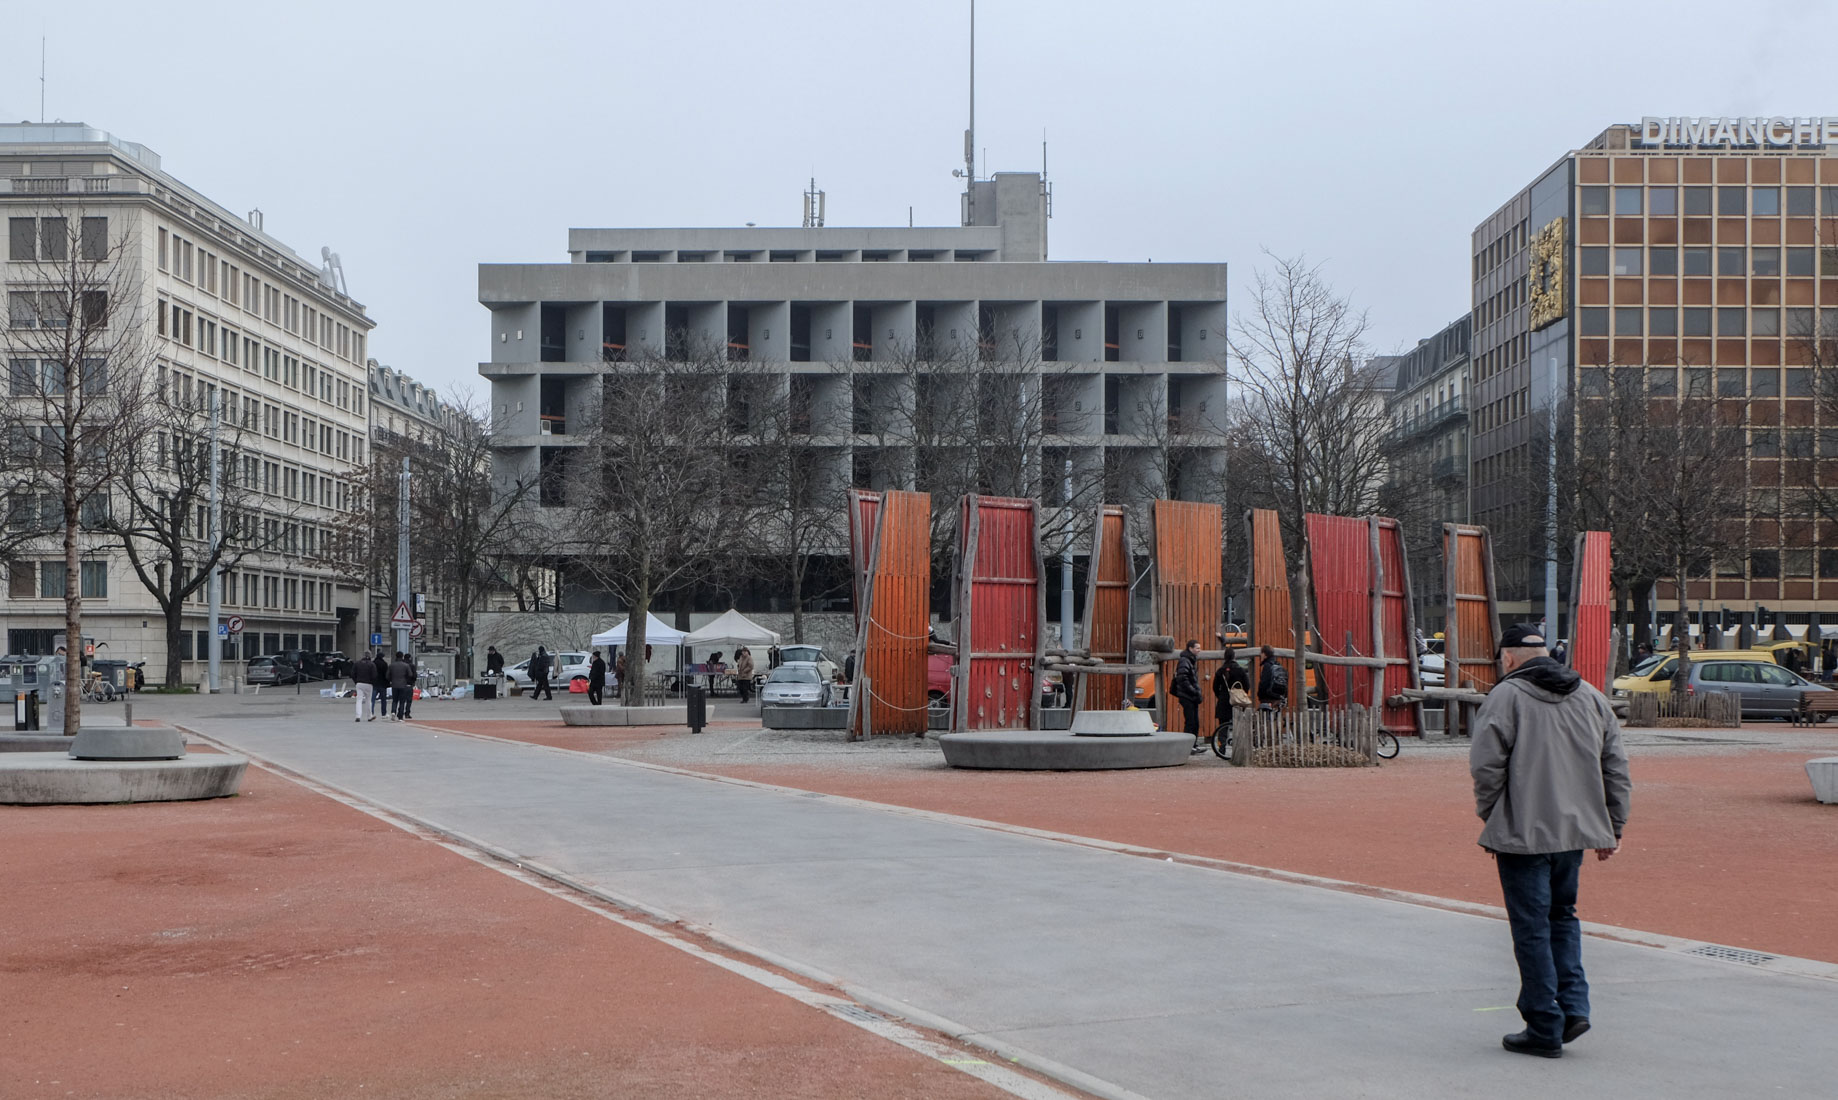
(539,675)
(494,661)
(401,679)
(364,683)
(596,678)
(1229,676)
(1185,687)
(1272,683)
(379,700)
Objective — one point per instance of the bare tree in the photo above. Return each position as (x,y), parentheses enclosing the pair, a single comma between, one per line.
(1311,424)
(797,480)
(78,365)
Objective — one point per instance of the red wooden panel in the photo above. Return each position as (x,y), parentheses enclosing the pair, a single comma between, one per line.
(1107,606)
(894,617)
(1001,607)
(1591,618)
(1270,624)
(1340,564)
(1189,592)
(1472,623)
(1397,626)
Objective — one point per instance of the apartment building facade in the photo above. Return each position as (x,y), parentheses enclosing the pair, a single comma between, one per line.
(1428,452)
(234,313)
(1126,359)
(1699,253)
(409,418)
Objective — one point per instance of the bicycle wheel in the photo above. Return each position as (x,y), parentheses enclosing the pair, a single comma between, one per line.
(1387,745)
(1222,741)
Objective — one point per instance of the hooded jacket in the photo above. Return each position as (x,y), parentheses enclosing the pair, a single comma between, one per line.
(365,671)
(1549,771)
(1186,683)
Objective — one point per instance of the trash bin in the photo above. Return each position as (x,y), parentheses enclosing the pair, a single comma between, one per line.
(130,678)
(25,712)
(485,690)
(695,699)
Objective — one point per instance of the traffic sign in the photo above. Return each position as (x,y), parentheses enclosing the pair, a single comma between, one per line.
(401,620)
(223,630)
(417,629)
(234,624)
(376,639)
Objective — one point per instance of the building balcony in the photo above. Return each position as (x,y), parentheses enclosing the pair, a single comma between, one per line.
(1437,416)
(1450,468)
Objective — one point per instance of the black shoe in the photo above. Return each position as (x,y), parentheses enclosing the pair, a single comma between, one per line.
(1574,1026)
(1521,1042)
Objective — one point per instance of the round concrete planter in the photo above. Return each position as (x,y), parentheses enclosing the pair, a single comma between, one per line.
(39,778)
(127,743)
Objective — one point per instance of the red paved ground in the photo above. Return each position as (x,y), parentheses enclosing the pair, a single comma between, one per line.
(280,945)
(1727,847)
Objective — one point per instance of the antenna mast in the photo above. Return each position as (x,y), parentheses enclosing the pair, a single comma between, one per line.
(813,206)
(970,134)
(41,79)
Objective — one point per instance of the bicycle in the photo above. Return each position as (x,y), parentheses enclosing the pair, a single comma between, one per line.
(1221,740)
(1385,745)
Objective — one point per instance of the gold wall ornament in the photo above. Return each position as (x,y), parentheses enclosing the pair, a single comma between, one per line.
(1545,275)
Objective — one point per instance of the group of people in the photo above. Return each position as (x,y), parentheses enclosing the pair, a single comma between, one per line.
(542,669)
(384,684)
(1231,687)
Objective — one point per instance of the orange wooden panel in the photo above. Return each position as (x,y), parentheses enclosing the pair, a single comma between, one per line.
(895,616)
(1591,603)
(864,506)
(1001,610)
(1397,625)
(1472,621)
(1189,591)
(1107,605)
(1270,624)
(1340,566)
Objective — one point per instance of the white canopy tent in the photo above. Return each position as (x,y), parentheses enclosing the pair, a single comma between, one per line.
(732,628)
(656,634)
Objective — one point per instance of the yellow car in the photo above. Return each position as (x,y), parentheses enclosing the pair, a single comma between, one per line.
(1655,673)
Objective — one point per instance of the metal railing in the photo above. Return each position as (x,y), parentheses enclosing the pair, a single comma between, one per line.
(1435,416)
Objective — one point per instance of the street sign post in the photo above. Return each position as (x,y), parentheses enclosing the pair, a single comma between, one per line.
(233,624)
(401,620)
(417,629)
(223,630)
(376,639)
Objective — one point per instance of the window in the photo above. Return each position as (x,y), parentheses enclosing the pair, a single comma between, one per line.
(1594,200)
(1662,261)
(94,377)
(94,242)
(1765,322)
(1799,382)
(1765,262)
(1828,260)
(1799,323)
(1799,202)
(1799,262)
(1697,202)
(1627,261)
(94,580)
(1730,261)
(51,580)
(1662,202)
(1765,565)
(1592,261)
(1697,261)
(1662,322)
(1730,322)
(1797,443)
(54,239)
(1730,382)
(20,577)
(1590,322)
(1828,564)
(1662,381)
(1765,443)
(21,378)
(22,238)
(1627,321)
(1767,202)
(1696,322)
(1627,201)
(1732,201)
(22,308)
(1765,383)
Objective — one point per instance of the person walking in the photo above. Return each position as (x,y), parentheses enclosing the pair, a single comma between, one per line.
(596,679)
(539,675)
(414,678)
(401,675)
(1272,682)
(743,673)
(1228,679)
(379,700)
(364,683)
(1550,780)
(1185,687)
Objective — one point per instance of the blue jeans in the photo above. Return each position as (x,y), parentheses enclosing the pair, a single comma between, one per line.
(1540,892)
(379,702)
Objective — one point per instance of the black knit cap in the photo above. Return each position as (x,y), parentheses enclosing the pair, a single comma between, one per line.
(1522,636)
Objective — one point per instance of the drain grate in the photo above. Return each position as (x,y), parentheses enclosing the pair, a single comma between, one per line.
(1731,954)
(857,1012)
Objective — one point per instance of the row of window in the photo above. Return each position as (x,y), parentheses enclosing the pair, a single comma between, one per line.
(1492,362)
(1702,382)
(240,647)
(192,263)
(55,378)
(1499,250)
(253,414)
(51,308)
(1729,261)
(178,323)
(1703,202)
(1703,321)
(45,580)
(31,240)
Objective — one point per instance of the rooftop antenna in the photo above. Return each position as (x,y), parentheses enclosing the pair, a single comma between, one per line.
(41,80)
(813,206)
(968,172)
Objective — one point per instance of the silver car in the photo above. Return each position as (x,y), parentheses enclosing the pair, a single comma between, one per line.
(796,685)
(1767,690)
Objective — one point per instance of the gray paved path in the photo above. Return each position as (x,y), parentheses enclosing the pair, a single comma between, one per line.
(1163,978)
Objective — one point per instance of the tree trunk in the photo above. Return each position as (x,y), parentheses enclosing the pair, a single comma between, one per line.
(1681,634)
(797,597)
(631,686)
(73,619)
(173,614)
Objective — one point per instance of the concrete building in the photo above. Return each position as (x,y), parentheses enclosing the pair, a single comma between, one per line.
(1428,453)
(1694,251)
(407,417)
(235,312)
(1127,358)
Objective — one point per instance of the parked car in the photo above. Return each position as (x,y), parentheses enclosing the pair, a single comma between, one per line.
(795,684)
(1430,669)
(273,670)
(336,665)
(811,655)
(1655,672)
(1767,690)
(563,667)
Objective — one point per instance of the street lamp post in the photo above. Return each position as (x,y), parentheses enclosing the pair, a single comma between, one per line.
(1550,503)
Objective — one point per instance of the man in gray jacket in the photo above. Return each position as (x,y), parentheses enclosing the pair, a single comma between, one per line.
(1550,780)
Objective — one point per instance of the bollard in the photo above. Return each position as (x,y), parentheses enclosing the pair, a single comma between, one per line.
(127,712)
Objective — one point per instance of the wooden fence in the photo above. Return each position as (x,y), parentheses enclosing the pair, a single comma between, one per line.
(1705,710)
(1338,737)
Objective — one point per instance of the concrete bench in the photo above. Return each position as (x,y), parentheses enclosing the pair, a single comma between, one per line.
(625,716)
(1824,775)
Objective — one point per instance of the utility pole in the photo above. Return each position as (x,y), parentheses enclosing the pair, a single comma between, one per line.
(402,584)
(1550,508)
(215,642)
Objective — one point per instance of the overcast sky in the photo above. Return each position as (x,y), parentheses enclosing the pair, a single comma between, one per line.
(418,140)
